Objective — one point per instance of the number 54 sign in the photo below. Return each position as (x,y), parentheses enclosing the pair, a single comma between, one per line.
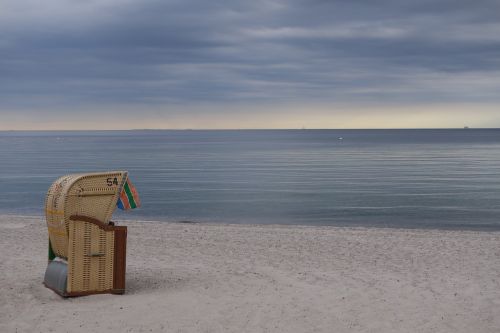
(112,181)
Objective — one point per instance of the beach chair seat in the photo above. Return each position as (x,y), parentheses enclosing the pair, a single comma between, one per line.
(87,252)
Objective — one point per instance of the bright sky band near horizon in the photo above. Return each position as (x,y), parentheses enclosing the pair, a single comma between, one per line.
(194,64)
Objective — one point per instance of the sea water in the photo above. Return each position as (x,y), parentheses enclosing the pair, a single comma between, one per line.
(397,178)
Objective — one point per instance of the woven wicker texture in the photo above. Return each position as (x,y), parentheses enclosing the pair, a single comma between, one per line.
(90,258)
(93,195)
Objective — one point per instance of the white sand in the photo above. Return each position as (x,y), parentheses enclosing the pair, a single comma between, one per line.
(240,278)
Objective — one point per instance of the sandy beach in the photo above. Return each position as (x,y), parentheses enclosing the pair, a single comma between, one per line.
(256,278)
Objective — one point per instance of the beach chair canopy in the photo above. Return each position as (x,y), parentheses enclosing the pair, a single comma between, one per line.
(93,195)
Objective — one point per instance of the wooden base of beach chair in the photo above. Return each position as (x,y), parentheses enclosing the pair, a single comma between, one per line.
(96,262)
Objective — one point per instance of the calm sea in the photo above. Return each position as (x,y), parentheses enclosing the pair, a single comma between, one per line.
(402,178)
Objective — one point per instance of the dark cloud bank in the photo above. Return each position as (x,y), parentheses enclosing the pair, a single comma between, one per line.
(64,53)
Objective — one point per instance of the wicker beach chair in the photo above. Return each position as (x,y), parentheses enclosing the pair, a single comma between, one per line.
(86,250)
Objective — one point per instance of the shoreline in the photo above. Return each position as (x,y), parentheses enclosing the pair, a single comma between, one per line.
(185,277)
(428,226)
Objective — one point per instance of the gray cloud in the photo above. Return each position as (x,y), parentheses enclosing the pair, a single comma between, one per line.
(62,53)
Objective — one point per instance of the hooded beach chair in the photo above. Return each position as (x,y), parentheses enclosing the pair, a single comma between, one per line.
(87,251)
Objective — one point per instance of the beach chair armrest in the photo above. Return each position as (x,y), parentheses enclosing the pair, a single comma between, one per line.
(100,224)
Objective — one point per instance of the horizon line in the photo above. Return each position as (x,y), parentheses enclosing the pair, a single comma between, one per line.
(246,129)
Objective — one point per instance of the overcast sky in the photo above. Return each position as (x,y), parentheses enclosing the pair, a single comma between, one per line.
(249,64)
